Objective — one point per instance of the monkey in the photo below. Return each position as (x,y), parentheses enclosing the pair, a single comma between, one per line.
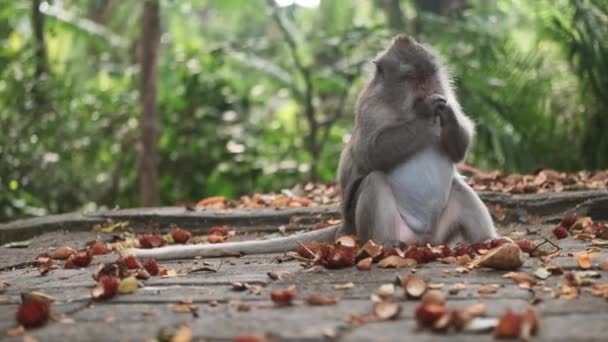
(397,174)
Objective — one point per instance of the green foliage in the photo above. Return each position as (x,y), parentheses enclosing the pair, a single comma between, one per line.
(233,93)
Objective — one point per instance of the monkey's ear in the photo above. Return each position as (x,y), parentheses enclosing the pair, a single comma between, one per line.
(379,68)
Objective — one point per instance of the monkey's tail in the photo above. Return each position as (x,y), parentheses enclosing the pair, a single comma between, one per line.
(277,245)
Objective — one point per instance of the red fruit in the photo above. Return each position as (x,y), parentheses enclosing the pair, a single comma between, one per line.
(428,314)
(340,257)
(152,266)
(601,230)
(218,230)
(320,249)
(497,242)
(62,253)
(463,250)
(33,313)
(80,259)
(481,245)
(283,297)
(422,254)
(568,220)
(446,251)
(525,245)
(215,238)
(99,248)
(560,232)
(180,235)
(131,262)
(107,287)
(151,240)
(509,325)
(251,338)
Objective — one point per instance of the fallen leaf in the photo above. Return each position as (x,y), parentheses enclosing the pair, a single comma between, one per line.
(16,331)
(395,261)
(315,299)
(186,306)
(4,285)
(522,279)
(454,289)
(344,286)
(62,253)
(584,260)
(284,297)
(365,264)
(488,289)
(183,334)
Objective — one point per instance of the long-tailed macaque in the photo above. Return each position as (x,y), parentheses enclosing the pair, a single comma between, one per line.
(397,174)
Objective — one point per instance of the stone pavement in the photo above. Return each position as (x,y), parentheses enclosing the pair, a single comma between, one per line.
(223,312)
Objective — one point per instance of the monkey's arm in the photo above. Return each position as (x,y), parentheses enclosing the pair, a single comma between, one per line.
(391,144)
(456,132)
(278,245)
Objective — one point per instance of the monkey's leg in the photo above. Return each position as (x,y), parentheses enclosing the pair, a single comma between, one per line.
(376,215)
(466,211)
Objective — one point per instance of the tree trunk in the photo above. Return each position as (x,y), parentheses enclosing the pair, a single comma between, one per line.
(394,15)
(40,62)
(149,155)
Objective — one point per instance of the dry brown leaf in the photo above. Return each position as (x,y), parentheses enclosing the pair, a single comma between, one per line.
(186,306)
(488,289)
(584,260)
(365,264)
(284,296)
(344,286)
(454,289)
(183,334)
(395,261)
(316,299)
(522,279)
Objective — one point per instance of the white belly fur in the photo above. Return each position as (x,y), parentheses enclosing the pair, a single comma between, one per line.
(421,187)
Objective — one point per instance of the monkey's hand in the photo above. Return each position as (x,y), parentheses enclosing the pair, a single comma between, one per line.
(454,138)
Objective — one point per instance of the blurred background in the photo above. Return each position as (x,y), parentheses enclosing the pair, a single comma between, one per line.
(240,96)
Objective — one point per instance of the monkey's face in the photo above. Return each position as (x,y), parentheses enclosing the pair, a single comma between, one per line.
(405,73)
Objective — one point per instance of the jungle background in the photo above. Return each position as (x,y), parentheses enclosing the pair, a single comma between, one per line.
(147,102)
